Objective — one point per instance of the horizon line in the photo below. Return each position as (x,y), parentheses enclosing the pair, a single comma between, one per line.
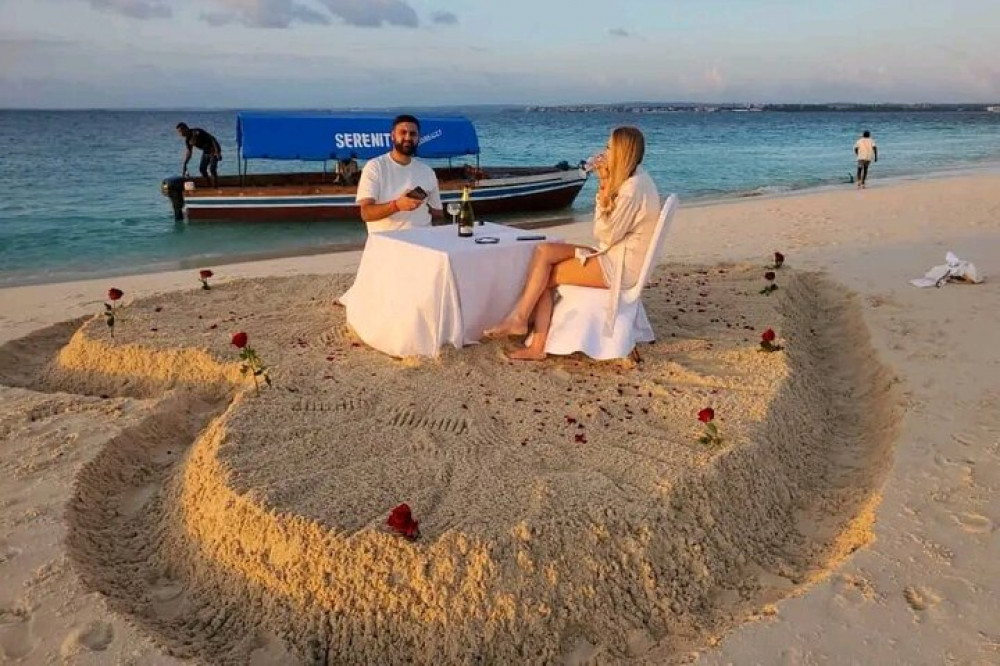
(486,105)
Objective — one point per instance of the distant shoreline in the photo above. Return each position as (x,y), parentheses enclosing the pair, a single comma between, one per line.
(642,107)
(582,107)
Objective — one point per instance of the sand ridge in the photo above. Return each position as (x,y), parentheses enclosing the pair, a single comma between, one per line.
(231,528)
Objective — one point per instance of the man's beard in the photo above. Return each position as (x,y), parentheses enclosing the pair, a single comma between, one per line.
(405,148)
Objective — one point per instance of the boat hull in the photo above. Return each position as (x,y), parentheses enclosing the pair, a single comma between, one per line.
(509,193)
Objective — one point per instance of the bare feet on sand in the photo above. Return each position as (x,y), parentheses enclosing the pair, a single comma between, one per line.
(527,354)
(508,327)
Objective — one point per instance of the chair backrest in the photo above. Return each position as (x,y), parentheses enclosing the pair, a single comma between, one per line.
(656,245)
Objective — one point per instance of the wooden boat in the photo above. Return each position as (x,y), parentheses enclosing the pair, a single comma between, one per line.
(319,195)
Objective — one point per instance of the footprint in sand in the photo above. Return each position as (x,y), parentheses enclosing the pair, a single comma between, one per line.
(582,653)
(639,642)
(168,599)
(341,405)
(93,637)
(920,598)
(166,591)
(16,640)
(974,523)
(270,650)
(135,499)
(337,335)
(409,418)
(8,553)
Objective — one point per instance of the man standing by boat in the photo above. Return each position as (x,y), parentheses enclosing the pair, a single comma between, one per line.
(397,190)
(347,170)
(867,152)
(211,151)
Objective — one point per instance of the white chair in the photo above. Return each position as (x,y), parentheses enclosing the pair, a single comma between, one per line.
(580,313)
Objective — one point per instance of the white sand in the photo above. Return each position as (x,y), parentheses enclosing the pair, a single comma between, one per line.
(930,563)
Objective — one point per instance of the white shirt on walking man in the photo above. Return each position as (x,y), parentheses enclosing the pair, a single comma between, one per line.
(867,152)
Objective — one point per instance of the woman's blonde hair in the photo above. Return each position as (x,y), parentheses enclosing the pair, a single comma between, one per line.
(626,149)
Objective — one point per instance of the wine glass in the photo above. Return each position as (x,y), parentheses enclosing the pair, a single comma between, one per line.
(595,161)
(453,209)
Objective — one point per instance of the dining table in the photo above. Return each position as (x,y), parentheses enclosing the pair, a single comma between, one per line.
(417,290)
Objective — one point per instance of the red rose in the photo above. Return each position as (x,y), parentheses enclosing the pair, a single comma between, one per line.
(706,415)
(401,521)
(240,340)
(778,259)
(114,293)
(769,275)
(205,274)
(768,335)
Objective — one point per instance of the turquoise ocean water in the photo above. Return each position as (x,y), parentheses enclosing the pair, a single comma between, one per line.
(79,190)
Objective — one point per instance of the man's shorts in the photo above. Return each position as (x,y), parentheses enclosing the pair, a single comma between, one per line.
(209,163)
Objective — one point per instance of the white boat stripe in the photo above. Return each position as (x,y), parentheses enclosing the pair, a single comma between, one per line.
(328,200)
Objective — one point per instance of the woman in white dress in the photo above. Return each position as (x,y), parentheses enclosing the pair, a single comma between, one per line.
(625,216)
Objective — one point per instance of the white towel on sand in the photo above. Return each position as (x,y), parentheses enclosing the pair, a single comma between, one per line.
(954,269)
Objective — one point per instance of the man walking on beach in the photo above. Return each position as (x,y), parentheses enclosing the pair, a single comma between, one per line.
(397,190)
(867,153)
(211,151)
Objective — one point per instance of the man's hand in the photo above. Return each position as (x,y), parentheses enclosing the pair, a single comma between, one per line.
(406,204)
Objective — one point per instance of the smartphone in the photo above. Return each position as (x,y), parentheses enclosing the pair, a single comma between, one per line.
(417,193)
(531,237)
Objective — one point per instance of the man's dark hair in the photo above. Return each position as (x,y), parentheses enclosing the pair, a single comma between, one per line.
(866,134)
(405,118)
(182,126)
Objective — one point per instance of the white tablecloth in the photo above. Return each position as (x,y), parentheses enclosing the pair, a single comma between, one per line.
(419,289)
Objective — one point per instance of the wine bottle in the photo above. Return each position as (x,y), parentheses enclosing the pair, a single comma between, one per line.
(466,218)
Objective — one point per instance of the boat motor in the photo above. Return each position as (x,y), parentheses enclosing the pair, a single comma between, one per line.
(173,189)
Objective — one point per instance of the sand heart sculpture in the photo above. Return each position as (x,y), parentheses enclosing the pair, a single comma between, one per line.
(261,517)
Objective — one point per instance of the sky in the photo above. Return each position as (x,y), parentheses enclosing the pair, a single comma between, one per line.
(391,53)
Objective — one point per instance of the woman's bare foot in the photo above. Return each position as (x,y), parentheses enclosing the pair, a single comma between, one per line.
(507,328)
(527,354)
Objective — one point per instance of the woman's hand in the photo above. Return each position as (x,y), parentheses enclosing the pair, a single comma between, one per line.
(602,173)
(602,191)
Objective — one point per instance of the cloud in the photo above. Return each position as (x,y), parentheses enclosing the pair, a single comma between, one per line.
(140,9)
(283,13)
(263,13)
(619,32)
(373,13)
(444,18)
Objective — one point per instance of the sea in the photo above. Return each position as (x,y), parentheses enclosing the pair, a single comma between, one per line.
(80,190)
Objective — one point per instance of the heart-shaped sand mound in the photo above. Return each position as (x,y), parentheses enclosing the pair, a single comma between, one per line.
(567,509)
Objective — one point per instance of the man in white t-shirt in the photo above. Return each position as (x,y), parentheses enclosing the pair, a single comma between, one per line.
(867,153)
(397,190)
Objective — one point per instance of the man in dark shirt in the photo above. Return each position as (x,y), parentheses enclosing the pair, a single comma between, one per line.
(211,151)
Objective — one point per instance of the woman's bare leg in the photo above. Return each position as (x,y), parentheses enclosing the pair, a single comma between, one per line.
(546,255)
(565,272)
(542,317)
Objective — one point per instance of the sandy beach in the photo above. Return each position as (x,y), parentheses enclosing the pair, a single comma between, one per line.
(154,509)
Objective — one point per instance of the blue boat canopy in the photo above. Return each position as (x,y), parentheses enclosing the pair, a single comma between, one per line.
(298,136)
